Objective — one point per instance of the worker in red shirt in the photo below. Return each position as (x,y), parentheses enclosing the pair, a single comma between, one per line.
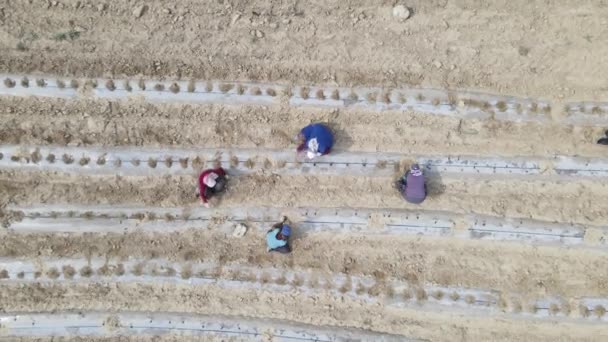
(211,182)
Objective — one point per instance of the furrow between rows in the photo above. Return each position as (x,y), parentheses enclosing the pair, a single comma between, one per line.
(519,268)
(577,201)
(41,121)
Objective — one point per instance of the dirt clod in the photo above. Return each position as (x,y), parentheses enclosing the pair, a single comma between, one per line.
(191,86)
(9,83)
(67,159)
(110,85)
(320,94)
(256,91)
(174,88)
(86,271)
(84,161)
(36,156)
(53,273)
(68,271)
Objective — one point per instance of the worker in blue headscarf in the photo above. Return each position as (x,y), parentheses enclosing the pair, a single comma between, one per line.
(316,140)
(277,238)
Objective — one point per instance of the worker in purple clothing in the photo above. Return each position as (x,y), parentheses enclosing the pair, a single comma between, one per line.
(413,186)
(315,139)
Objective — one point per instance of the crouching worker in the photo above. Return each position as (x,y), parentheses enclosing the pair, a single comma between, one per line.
(277,238)
(412,185)
(315,140)
(211,182)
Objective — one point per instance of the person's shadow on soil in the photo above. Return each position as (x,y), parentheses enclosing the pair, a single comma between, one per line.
(342,140)
(434,183)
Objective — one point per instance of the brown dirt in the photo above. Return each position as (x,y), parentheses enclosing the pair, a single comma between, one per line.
(353,42)
(516,197)
(519,268)
(138,123)
(555,51)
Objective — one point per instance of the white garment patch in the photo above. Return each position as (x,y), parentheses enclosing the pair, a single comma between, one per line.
(313,145)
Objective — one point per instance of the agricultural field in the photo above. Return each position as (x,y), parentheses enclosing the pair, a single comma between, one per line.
(109,111)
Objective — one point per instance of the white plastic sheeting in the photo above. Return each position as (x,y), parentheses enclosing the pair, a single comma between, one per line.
(460,104)
(118,219)
(155,161)
(108,324)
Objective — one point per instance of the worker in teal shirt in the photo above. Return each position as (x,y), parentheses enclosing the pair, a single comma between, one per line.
(277,238)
